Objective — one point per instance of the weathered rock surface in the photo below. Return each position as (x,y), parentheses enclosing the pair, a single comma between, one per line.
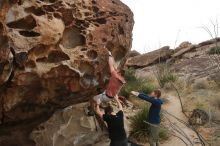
(181,54)
(150,58)
(183,48)
(196,62)
(183,45)
(132,53)
(188,61)
(52,53)
(71,127)
(194,50)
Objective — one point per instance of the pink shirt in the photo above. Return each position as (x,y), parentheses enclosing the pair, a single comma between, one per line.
(115,84)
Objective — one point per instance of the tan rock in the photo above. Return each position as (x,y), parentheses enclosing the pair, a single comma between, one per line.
(132,53)
(72,127)
(189,50)
(6,57)
(150,58)
(182,51)
(182,46)
(52,54)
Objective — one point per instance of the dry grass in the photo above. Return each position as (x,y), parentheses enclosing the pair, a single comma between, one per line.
(164,75)
(200,84)
(215,107)
(136,101)
(216,102)
(136,84)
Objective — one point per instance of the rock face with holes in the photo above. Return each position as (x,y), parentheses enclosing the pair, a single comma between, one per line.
(53,53)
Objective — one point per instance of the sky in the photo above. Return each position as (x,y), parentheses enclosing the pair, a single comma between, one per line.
(160,23)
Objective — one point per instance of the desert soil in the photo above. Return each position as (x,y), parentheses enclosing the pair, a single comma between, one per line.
(173,107)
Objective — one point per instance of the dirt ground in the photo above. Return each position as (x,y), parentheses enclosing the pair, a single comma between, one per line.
(173,107)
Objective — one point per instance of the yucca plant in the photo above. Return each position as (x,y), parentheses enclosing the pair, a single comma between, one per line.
(139,129)
(164,75)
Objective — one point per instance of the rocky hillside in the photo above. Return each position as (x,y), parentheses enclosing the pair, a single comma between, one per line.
(194,73)
(53,53)
(188,60)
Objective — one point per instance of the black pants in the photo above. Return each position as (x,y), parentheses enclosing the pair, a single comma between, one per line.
(119,142)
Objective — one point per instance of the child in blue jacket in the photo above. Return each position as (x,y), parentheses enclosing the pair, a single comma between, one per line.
(154,114)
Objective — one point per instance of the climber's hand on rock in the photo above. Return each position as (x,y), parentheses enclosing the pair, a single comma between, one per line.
(134,93)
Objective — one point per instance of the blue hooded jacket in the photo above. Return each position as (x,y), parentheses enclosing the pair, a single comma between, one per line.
(155,108)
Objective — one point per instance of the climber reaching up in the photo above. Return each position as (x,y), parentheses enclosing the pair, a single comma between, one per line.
(113,88)
(115,123)
(116,80)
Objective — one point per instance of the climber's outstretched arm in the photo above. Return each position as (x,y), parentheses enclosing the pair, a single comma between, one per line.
(111,63)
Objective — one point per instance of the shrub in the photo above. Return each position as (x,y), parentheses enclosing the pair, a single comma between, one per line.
(214,50)
(216,102)
(135,84)
(167,77)
(200,105)
(200,84)
(140,129)
(164,75)
(215,115)
(130,75)
(164,134)
(216,78)
(147,88)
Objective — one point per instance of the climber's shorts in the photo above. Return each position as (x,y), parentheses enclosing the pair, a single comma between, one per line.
(102,98)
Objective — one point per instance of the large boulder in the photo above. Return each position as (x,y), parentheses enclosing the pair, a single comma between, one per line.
(150,58)
(54,53)
(71,127)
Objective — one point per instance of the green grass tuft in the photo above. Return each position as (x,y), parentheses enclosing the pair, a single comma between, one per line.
(135,84)
(139,129)
(164,75)
(214,50)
